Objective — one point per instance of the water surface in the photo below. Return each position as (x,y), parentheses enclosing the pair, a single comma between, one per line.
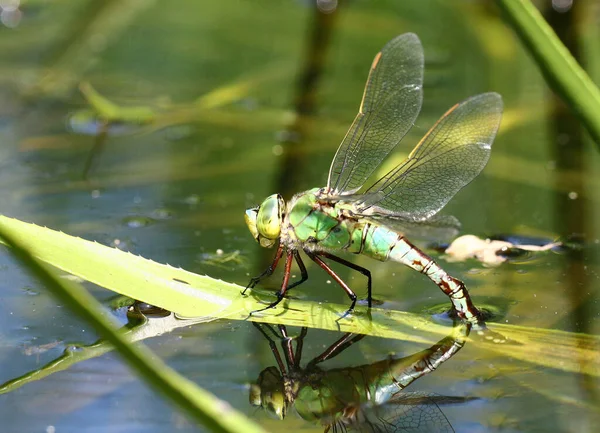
(223,80)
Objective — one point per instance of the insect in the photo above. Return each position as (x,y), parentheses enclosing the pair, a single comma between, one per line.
(373,220)
(366,398)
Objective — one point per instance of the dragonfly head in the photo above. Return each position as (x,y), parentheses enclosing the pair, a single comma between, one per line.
(264,221)
(269,393)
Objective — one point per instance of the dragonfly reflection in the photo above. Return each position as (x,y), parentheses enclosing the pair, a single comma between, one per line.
(367,398)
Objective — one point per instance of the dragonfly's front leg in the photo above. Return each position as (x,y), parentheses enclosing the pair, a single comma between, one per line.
(299,344)
(272,344)
(288,350)
(406,253)
(267,272)
(284,286)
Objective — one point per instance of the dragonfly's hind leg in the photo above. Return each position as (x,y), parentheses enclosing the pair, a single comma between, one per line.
(315,258)
(406,253)
(336,348)
(357,268)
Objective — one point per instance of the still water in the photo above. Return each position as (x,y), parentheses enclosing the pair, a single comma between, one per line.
(222,82)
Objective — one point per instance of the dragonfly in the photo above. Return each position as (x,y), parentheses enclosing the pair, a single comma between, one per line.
(366,398)
(348,216)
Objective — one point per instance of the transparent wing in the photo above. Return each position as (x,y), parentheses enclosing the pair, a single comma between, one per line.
(450,155)
(439,228)
(416,413)
(391,102)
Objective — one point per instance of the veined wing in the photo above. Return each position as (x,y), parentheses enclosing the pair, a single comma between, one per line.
(439,228)
(391,102)
(450,155)
(415,412)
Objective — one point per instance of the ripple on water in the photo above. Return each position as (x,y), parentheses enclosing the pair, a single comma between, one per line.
(137,221)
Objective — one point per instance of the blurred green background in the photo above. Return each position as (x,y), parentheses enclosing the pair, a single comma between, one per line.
(224,80)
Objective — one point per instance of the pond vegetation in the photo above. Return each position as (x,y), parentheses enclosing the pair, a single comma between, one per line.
(134,134)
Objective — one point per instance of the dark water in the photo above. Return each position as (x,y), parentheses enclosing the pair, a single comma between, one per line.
(223,80)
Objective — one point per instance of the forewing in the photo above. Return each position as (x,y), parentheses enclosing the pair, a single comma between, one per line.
(391,102)
(450,155)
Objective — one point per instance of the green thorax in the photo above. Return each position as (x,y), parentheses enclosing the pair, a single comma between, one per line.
(326,399)
(327,396)
(335,226)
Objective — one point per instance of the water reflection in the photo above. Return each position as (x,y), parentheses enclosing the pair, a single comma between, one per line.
(366,398)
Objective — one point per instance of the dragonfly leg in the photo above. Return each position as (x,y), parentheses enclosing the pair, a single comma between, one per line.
(267,272)
(337,278)
(336,348)
(284,286)
(303,272)
(272,345)
(288,350)
(406,253)
(299,344)
(292,356)
(351,265)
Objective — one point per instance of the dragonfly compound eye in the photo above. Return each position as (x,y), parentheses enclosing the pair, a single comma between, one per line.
(255,396)
(250,218)
(269,219)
